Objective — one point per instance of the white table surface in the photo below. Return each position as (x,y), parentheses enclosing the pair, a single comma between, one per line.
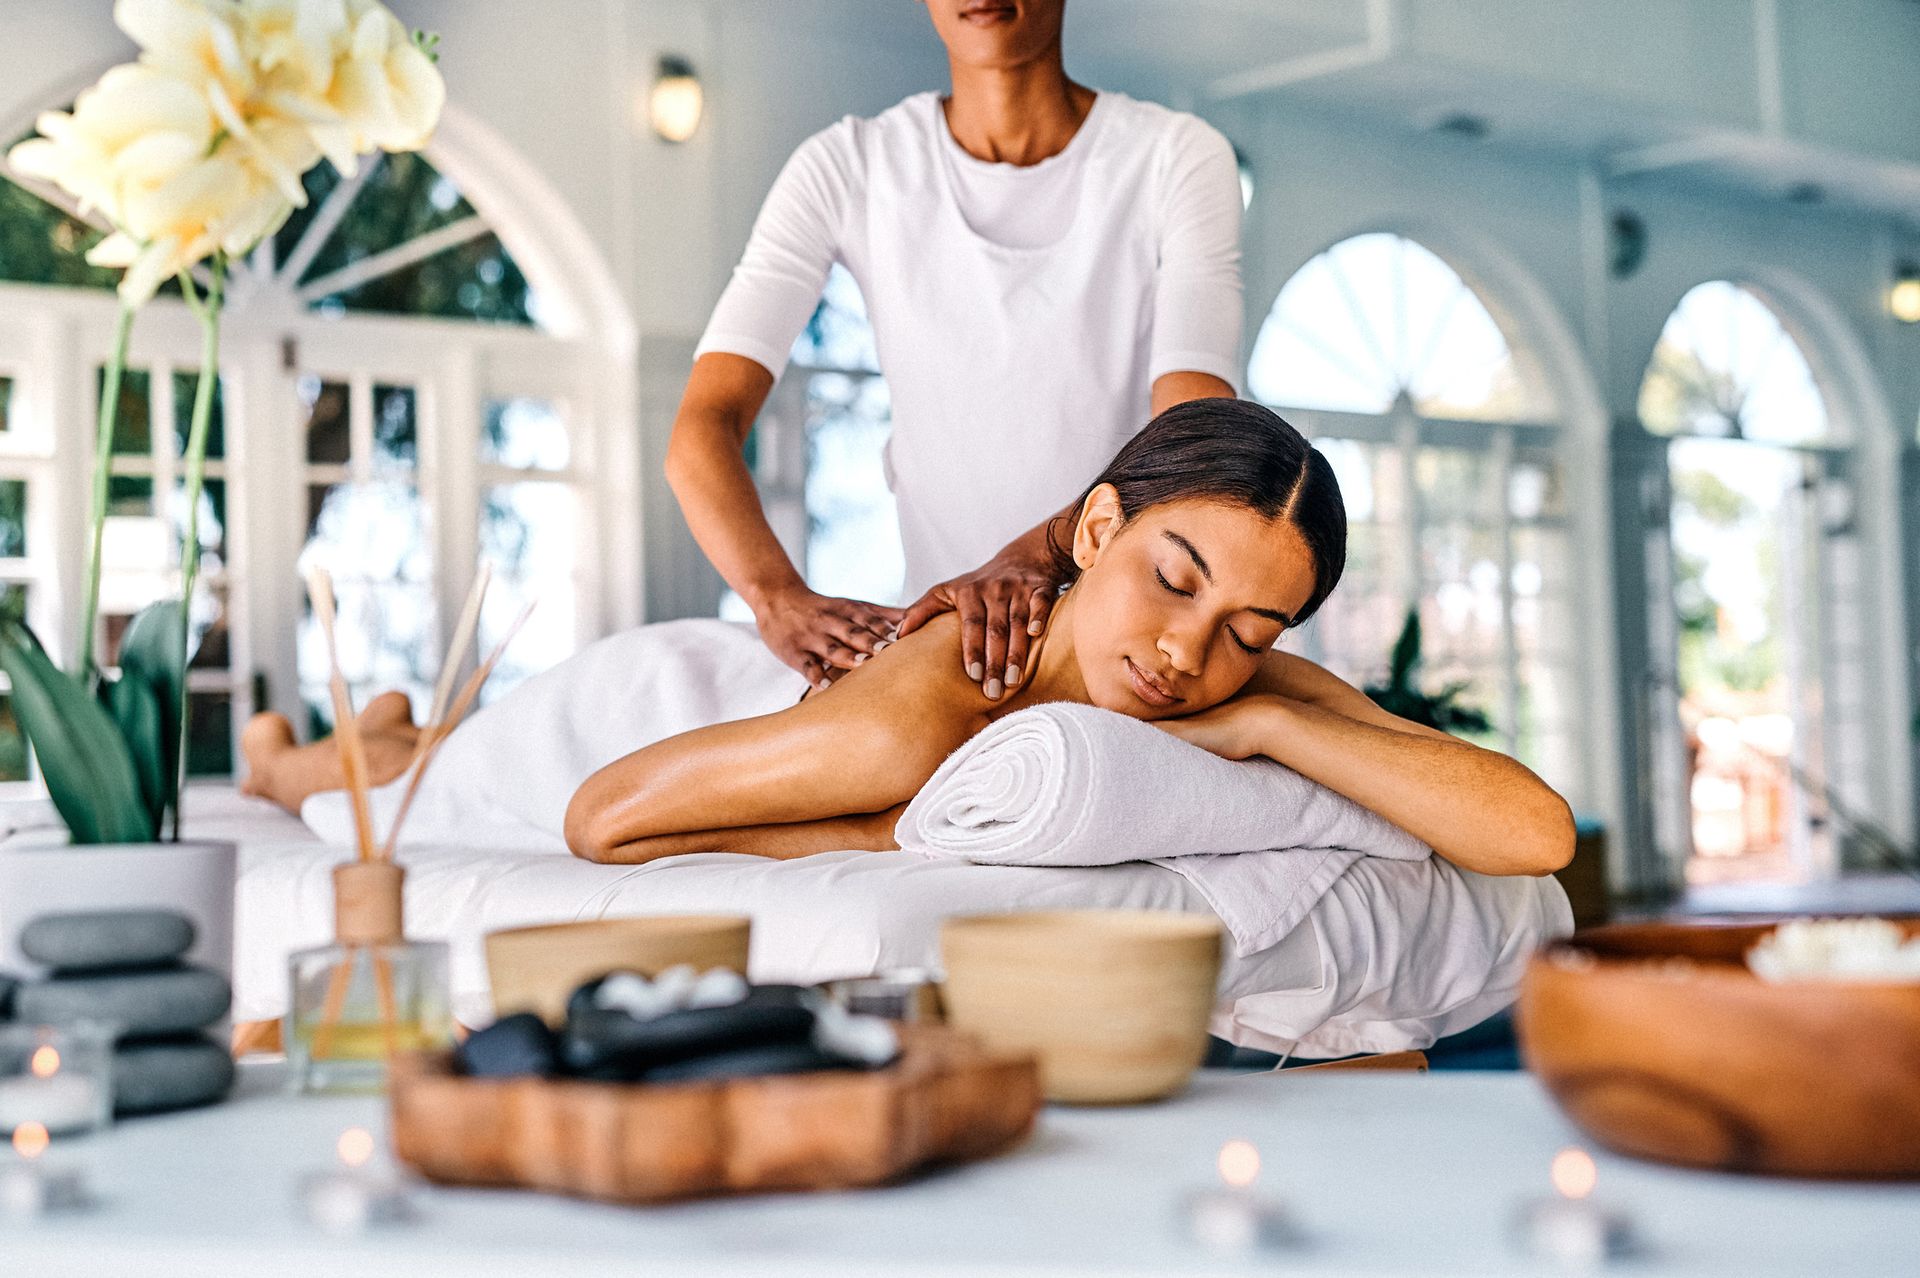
(1387,1174)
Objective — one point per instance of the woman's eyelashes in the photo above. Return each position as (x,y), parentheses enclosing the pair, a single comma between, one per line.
(1233,634)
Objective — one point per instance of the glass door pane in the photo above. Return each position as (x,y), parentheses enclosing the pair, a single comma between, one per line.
(1745,595)
(368,525)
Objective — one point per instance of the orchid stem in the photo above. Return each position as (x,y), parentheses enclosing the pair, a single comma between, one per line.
(196,467)
(102,468)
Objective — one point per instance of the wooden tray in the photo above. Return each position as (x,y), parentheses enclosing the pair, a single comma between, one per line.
(947,1099)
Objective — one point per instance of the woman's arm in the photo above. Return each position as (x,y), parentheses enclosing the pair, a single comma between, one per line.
(1479,809)
(767,784)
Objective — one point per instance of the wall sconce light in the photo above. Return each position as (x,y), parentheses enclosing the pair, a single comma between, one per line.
(675,102)
(1903,298)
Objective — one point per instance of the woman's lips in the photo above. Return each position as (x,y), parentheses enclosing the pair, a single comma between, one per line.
(1147,689)
(987,14)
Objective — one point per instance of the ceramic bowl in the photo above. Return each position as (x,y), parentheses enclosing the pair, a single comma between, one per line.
(1658,1042)
(534,969)
(1114,1003)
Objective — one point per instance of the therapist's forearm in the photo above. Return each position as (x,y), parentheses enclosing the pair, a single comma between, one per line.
(709,477)
(1479,809)
(1177,388)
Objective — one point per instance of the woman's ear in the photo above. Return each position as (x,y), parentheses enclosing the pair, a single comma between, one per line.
(1100,519)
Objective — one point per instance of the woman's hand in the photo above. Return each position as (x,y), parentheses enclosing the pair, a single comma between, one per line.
(1233,730)
(1002,605)
(822,636)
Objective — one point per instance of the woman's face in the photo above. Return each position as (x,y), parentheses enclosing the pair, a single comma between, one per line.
(1175,609)
(996,33)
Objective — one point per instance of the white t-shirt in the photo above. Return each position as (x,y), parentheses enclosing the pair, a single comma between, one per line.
(1021,314)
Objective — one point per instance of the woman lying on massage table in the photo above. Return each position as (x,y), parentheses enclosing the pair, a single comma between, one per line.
(1211,533)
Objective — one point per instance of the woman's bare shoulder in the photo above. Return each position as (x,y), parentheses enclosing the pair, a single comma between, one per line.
(920,676)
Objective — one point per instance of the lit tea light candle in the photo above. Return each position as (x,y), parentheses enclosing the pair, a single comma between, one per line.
(29,1187)
(1234,1219)
(354,1196)
(1569,1228)
(58,1099)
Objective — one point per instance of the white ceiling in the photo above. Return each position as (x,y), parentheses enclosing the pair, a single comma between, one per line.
(1748,93)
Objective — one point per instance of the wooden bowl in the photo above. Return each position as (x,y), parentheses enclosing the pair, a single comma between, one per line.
(947,1099)
(1658,1042)
(1115,1003)
(533,969)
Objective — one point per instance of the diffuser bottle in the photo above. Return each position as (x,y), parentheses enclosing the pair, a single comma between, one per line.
(370,994)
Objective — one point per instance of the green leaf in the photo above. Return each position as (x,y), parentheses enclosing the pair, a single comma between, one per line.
(146,701)
(137,712)
(1406,653)
(88,768)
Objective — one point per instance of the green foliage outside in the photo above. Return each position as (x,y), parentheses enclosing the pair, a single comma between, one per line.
(402,198)
(1707,657)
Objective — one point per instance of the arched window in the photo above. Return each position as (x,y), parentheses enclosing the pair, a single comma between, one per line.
(393,403)
(1443,440)
(1769,659)
(818,454)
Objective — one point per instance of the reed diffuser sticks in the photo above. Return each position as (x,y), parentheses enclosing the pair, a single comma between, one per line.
(368,891)
(353,755)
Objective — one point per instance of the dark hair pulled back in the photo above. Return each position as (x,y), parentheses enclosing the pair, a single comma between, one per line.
(1237,453)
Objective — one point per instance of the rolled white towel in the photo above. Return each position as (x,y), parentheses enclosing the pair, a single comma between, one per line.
(1071,785)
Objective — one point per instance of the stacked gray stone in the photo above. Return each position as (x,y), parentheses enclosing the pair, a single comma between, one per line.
(126,968)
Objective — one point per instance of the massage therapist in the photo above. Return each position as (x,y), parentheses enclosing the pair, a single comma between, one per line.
(1045,267)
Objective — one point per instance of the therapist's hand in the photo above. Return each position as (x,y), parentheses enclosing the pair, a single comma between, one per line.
(1002,606)
(822,636)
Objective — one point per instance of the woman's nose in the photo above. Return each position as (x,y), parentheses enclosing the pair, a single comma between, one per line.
(1185,652)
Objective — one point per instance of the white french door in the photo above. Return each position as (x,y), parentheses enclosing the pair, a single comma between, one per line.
(398,451)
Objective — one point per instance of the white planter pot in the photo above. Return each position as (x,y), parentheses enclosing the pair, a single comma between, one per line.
(194,878)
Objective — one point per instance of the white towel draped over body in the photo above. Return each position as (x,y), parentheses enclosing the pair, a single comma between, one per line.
(1073,785)
(504,779)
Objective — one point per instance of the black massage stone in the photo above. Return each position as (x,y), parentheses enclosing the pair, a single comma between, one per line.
(581,1000)
(9,986)
(604,1043)
(747,1062)
(516,1045)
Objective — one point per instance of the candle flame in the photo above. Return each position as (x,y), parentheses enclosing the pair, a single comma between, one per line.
(1239,1163)
(1574,1173)
(356,1146)
(45,1062)
(30,1140)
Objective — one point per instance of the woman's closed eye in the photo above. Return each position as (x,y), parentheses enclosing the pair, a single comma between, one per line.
(1244,646)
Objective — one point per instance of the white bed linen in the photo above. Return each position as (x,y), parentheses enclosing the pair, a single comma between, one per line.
(1340,983)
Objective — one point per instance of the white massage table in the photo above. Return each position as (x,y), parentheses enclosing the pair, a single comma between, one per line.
(852,913)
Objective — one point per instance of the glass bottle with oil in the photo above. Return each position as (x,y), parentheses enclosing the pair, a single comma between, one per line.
(368,996)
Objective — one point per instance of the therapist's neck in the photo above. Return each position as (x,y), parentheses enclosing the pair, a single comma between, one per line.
(1016,115)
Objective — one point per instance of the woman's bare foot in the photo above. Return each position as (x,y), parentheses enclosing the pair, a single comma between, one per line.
(287,773)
